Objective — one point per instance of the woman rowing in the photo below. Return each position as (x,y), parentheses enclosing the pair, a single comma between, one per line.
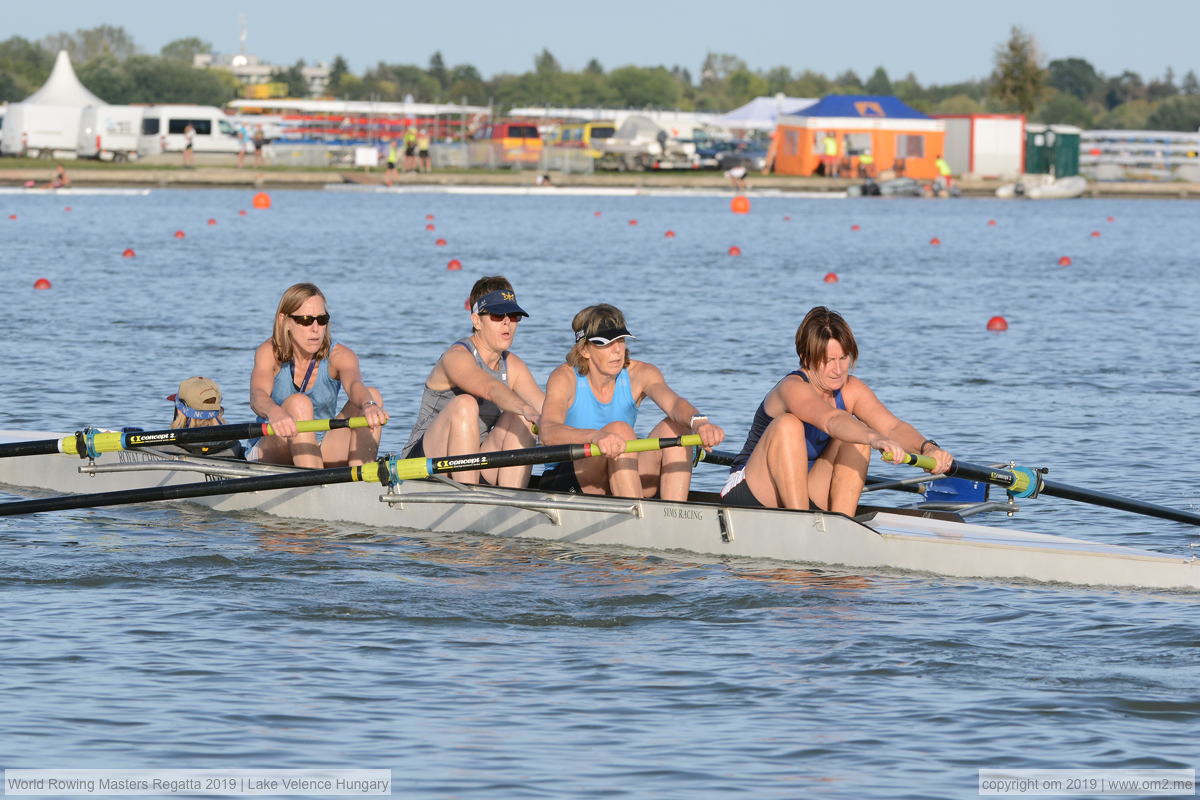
(594,397)
(297,375)
(480,397)
(813,433)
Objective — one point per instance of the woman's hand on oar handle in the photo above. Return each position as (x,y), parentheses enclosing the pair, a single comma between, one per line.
(375,414)
(935,461)
(611,445)
(891,449)
(710,435)
(281,424)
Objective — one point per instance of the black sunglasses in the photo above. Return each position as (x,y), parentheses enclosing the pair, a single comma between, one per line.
(304,320)
(515,317)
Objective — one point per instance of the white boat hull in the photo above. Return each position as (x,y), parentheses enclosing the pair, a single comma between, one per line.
(883,541)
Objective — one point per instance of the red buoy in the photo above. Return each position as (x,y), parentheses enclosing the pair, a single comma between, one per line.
(429,216)
(595,213)
(1064,261)
(787,219)
(997,324)
(440,243)
(831,277)
(992,223)
(12,216)
(633,222)
(180,234)
(467,304)
(66,208)
(856,227)
(262,200)
(935,240)
(41,283)
(669,235)
(735,250)
(454,265)
(128,253)
(430,227)
(212,221)
(740,204)
(1111,219)
(1095,234)
(242,213)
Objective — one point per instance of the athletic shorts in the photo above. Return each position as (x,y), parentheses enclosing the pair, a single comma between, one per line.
(737,492)
(561,478)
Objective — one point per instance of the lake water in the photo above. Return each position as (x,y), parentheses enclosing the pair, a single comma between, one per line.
(173,637)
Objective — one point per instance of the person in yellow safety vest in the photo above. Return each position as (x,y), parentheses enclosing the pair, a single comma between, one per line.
(423,142)
(393,156)
(829,156)
(410,149)
(866,165)
(944,170)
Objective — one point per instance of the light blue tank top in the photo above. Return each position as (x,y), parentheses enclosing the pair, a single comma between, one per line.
(322,390)
(589,413)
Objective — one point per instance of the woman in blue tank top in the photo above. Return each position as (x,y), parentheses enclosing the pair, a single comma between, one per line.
(812,435)
(594,398)
(479,396)
(297,375)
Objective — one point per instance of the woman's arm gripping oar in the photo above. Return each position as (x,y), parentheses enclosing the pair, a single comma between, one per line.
(385,471)
(90,442)
(1026,482)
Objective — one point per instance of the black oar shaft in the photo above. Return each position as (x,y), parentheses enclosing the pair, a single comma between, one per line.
(183,491)
(1021,479)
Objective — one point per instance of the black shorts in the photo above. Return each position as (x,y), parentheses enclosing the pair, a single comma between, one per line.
(410,151)
(424,154)
(561,478)
(391,164)
(741,495)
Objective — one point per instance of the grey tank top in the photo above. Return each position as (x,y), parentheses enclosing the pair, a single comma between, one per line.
(433,402)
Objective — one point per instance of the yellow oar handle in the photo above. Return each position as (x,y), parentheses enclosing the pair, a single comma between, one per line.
(322,425)
(649,445)
(914,460)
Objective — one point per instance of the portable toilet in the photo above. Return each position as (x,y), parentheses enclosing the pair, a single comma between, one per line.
(1052,149)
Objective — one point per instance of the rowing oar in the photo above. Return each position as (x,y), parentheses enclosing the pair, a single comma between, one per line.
(1026,482)
(90,442)
(384,471)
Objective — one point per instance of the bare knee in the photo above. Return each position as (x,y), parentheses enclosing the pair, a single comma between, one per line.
(298,406)
(622,429)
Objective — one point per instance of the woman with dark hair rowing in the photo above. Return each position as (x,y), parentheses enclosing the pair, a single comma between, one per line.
(297,375)
(594,398)
(812,435)
(480,397)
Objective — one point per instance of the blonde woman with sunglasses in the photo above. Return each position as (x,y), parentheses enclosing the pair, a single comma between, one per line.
(297,375)
(480,396)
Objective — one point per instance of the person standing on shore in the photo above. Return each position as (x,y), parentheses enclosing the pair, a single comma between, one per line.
(393,155)
(423,142)
(410,149)
(260,139)
(189,135)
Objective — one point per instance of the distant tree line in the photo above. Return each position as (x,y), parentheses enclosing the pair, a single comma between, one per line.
(1066,90)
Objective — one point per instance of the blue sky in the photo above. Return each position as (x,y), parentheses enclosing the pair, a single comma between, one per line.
(938,40)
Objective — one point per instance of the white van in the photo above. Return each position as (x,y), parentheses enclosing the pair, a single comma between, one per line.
(110,133)
(40,131)
(163,127)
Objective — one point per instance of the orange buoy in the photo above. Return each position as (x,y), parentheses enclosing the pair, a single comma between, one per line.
(1064,261)
(669,235)
(429,216)
(454,265)
(242,213)
(1095,234)
(856,227)
(595,213)
(430,227)
(262,200)
(41,283)
(440,243)
(935,240)
(992,223)
(12,216)
(66,208)
(212,221)
(1111,219)
(997,324)
(787,218)
(633,222)
(831,277)
(128,253)
(180,234)
(740,204)
(735,250)
(467,304)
